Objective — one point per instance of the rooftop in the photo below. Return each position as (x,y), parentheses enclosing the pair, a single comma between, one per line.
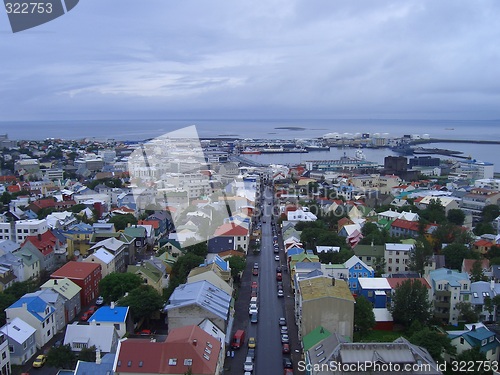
(321,287)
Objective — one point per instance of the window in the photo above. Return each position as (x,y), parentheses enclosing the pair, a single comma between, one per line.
(188,362)
(390,260)
(11,349)
(4,355)
(397,260)
(370,293)
(484,342)
(172,362)
(462,340)
(368,258)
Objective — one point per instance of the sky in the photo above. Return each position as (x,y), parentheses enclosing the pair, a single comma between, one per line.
(211,59)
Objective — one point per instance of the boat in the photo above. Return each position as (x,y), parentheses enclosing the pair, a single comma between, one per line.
(250,151)
(317,148)
(272,150)
(402,149)
(359,155)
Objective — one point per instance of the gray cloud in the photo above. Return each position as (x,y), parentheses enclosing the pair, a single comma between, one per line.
(278,58)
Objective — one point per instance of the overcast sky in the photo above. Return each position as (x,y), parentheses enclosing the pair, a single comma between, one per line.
(160,59)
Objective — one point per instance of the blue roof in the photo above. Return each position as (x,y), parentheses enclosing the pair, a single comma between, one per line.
(35,305)
(294,251)
(453,277)
(224,265)
(104,368)
(108,314)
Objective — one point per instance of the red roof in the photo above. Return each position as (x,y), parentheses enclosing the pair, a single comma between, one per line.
(468,263)
(185,347)
(13,188)
(8,178)
(45,242)
(394,282)
(154,223)
(230,229)
(75,270)
(483,243)
(405,224)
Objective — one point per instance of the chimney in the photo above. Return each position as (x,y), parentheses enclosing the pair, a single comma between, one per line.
(39,237)
(112,305)
(98,356)
(473,327)
(55,281)
(195,342)
(333,281)
(492,285)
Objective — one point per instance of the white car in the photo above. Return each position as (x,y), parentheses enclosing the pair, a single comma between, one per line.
(277,258)
(248,365)
(253,310)
(280,293)
(99,301)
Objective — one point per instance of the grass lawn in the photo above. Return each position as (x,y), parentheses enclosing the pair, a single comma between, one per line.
(377,336)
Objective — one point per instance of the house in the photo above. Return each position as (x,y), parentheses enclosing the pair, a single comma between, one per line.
(38,314)
(21,338)
(10,262)
(468,264)
(192,303)
(140,236)
(104,337)
(300,258)
(118,251)
(480,291)
(187,348)
(397,257)
(229,236)
(31,259)
(449,203)
(326,302)
(5,361)
(47,244)
(78,239)
(395,282)
(217,272)
(105,259)
(476,336)
(448,288)
(377,290)
(153,272)
(482,246)
(101,366)
(55,300)
(357,268)
(86,275)
(114,316)
(369,254)
(301,215)
(70,293)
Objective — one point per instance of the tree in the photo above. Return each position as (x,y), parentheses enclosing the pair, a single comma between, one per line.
(200,249)
(455,254)
(364,318)
(420,255)
(456,216)
(435,342)
(410,303)
(115,285)
(466,312)
(434,212)
(61,357)
(87,354)
(237,265)
(489,306)
(122,221)
(477,273)
(483,228)
(490,213)
(474,357)
(143,301)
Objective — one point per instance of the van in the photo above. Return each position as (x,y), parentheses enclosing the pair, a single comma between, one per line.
(238,339)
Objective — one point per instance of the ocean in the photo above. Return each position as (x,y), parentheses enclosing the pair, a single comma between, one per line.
(275,129)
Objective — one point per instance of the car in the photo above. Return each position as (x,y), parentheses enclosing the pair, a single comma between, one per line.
(85,316)
(252,343)
(39,361)
(145,332)
(277,258)
(278,269)
(251,353)
(287,362)
(255,272)
(92,309)
(253,310)
(256,265)
(255,285)
(285,339)
(288,371)
(286,348)
(248,365)
(99,301)
(282,321)
(280,284)
(254,318)
(278,276)
(57,344)
(280,293)
(284,330)
(254,293)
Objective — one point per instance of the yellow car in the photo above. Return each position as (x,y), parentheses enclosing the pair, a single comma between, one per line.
(252,343)
(39,361)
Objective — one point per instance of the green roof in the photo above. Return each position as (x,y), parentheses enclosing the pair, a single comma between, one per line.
(137,232)
(314,337)
(147,269)
(301,257)
(369,250)
(409,241)
(384,223)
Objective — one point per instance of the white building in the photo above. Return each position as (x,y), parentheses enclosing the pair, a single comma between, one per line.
(397,257)
(21,340)
(476,169)
(32,227)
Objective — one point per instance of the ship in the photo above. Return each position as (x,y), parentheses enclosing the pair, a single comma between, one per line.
(250,151)
(402,149)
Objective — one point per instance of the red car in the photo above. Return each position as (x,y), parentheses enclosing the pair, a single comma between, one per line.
(254,285)
(278,276)
(92,309)
(255,272)
(288,371)
(85,316)
(286,348)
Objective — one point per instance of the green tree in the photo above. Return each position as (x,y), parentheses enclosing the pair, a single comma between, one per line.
(200,249)
(364,318)
(115,285)
(483,228)
(477,273)
(379,266)
(420,255)
(410,303)
(143,302)
(5,198)
(87,354)
(61,357)
(5,301)
(435,342)
(434,212)
(237,265)
(466,312)
(476,358)
(455,254)
(489,306)
(490,213)
(456,216)
(122,221)
(493,252)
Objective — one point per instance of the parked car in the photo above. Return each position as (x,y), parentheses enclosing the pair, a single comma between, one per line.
(39,361)
(92,309)
(278,276)
(282,321)
(255,285)
(277,258)
(254,318)
(285,339)
(85,316)
(286,348)
(280,293)
(288,371)
(252,343)
(284,330)
(99,301)
(253,310)
(278,269)
(287,362)
(256,265)
(255,272)
(248,365)
(251,353)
